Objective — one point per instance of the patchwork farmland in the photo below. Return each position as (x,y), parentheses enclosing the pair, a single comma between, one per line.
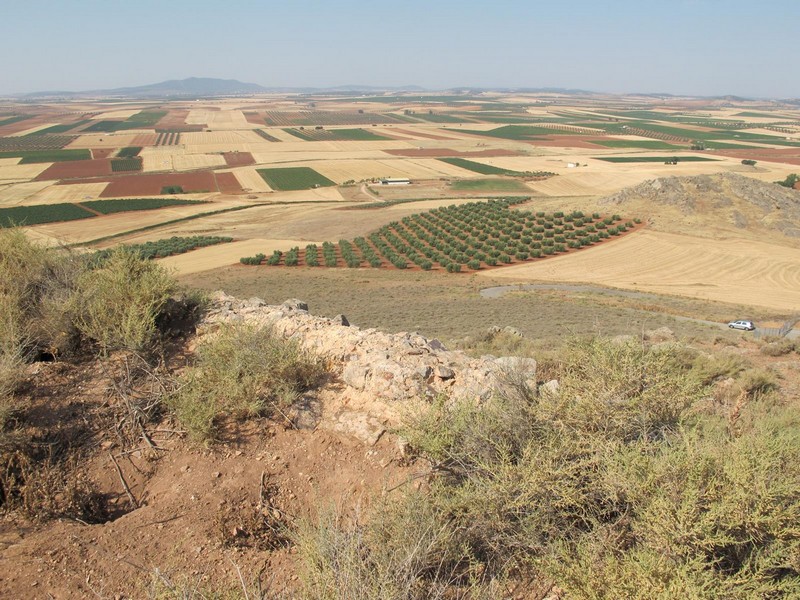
(260,164)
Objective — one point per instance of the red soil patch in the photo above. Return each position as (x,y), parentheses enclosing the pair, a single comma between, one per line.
(238,159)
(228,184)
(98,153)
(76,168)
(145,139)
(429,136)
(789,156)
(151,184)
(256,118)
(447,152)
(174,119)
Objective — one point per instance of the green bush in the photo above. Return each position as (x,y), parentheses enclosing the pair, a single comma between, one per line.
(253,260)
(119,301)
(241,371)
(616,485)
(37,286)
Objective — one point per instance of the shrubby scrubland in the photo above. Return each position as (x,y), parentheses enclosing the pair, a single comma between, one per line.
(646,471)
(636,478)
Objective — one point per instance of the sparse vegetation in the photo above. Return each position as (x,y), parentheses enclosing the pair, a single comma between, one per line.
(790,181)
(119,301)
(242,371)
(593,486)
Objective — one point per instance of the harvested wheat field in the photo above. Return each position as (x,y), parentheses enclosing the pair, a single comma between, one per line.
(55,194)
(730,270)
(191,162)
(227,138)
(13,173)
(116,114)
(159,158)
(223,255)
(71,232)
(103,140)
(21,193)
(251,181)
(219,119)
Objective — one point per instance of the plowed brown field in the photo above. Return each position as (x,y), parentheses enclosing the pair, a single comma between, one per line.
(76,168)
(151,184)
(238,159)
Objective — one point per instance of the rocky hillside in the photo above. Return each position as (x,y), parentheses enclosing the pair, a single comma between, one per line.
(711,204)
(378,373)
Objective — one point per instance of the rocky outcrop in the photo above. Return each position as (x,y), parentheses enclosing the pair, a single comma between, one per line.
(379,375)
(734,200)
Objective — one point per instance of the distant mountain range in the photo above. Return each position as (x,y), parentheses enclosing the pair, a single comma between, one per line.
(208,86)
(203,87)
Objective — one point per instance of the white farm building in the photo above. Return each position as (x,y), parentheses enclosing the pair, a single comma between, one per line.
(395,181)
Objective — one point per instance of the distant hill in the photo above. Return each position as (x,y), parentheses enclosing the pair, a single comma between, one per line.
(208,86)
(193,86)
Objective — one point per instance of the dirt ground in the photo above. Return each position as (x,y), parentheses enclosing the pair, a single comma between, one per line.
(188,510)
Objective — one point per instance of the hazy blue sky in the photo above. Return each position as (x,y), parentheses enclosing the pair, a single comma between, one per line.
(703,47)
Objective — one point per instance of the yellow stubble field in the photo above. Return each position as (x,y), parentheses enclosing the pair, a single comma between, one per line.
(21,173)
(223,255)
(725,270)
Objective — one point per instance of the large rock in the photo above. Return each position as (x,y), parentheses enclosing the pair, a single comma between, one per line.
(378,372)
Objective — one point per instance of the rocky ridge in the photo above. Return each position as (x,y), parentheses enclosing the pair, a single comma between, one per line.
(376,376)
(728,198)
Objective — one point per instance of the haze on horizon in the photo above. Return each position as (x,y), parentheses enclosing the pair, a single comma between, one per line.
(689,47)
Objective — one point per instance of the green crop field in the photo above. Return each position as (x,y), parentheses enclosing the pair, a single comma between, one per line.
(485,169)
(357,134)
(169,247)
(715,145)
(126,164)
(294,178)
(440,118)
(320,135)
(489,185)
(12,120)
(266,136)
(520,132)
(60,128)
(307,136)
(41,213)
(142,120)
(649,159)
(461,237)
(760,115)
(646,144)
(108,207)
(54,213)
(477,167)
(40,156)
(129,152)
